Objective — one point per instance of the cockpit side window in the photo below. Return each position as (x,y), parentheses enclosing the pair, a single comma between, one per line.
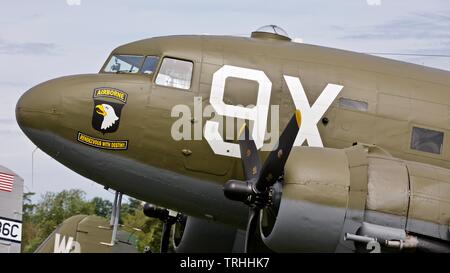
(150,64)
(175,73)
(124,64)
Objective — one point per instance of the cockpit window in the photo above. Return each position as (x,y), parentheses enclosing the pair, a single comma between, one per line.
(150,64)
(124,64)
(175,73)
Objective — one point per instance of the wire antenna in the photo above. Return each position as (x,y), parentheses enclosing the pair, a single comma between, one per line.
(32,166)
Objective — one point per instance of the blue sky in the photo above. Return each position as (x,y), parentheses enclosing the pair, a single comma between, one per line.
(41,40)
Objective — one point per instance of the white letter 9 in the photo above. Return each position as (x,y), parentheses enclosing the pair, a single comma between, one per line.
(257,114)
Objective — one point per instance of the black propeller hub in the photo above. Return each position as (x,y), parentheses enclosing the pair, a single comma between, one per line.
(246,192)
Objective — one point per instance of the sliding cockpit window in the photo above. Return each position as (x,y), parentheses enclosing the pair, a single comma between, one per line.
(130,64)
(150,64)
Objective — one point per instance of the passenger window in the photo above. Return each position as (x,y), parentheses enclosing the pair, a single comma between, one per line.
(175,73)
(425,140)
(353,104)
(150,64)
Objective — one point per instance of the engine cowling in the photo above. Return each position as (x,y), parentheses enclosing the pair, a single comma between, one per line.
(196,235)
(328,193)
(309,213)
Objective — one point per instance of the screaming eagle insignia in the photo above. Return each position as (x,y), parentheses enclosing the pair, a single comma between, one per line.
(108,104)
(106,114)
(109,115)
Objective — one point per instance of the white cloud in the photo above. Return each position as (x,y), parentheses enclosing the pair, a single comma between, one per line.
(9,48)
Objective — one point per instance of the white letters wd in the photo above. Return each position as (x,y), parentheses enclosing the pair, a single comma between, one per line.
(311,115)
(258,114)
(61,246)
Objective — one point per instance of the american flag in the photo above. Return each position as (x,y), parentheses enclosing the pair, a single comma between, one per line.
(6,182)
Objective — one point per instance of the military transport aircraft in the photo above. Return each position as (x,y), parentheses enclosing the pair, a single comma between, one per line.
(182,122)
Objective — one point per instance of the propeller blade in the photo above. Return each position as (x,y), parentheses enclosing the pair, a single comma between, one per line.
(254,190)
(252,224)
(249,154)
(274,165)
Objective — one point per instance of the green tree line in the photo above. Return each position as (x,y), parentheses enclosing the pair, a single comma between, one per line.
(40,219)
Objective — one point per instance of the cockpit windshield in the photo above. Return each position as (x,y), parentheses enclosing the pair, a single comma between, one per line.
(124,64)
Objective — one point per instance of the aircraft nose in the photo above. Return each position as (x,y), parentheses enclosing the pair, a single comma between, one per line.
(37,112)
(35,104)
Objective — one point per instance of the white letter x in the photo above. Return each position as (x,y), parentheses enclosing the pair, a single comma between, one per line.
(311,115)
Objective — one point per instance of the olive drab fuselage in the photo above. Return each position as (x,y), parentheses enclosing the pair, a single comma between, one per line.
(345,98)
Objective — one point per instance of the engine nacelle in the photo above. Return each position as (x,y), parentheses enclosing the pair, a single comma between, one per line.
(327,193)
(311,213)
(196,235)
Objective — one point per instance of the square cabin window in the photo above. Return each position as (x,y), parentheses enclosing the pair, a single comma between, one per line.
(426,140)
(175,73)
